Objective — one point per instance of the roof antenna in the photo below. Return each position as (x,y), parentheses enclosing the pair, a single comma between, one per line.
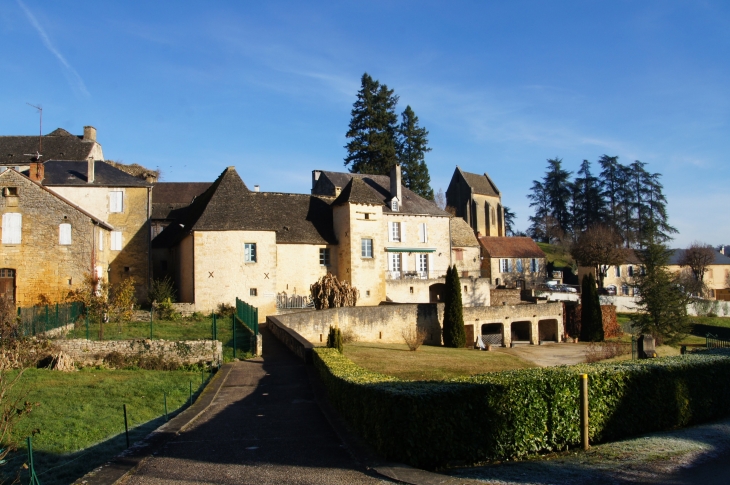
(40,133)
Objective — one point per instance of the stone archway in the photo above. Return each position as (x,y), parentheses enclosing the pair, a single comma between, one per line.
(548,330)
(436,292)
(493,333)
(521,332)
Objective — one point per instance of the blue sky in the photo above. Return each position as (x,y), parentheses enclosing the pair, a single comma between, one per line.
(502,86)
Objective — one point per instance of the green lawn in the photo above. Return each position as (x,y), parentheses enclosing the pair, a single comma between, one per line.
(722,322)
(429,362)
(557,255)
(83,411)
(185,329)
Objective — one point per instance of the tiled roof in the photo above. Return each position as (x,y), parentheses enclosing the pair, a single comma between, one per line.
(677,254)
(170,199)
(64,172)
(358,192)
(58,145)
(461,234)
(481,184)
(380,188)
(511,247)
(228,205)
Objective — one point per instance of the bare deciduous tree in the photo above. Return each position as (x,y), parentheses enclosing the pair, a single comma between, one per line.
(599,247)
(697,257)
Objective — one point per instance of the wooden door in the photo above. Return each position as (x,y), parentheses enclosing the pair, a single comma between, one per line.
(469,336)
(7,283)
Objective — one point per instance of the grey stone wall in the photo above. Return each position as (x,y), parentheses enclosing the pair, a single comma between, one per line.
(90,353)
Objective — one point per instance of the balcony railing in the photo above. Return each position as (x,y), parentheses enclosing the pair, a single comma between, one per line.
(414,275)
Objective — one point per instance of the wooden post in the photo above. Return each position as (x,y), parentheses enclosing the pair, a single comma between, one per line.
(584,411)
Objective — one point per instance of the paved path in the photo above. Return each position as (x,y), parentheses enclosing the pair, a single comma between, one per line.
(263,427)
(549,355)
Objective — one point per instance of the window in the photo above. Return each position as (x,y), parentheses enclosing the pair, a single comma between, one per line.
(366,246)
(394,262)
(367,216)
(395,232)
(116,201)
(618,271)
(519,265)
(253,292)
(64,234)
(504,265)
(534,265)
(459,254)
(625,290)
(324,256)
(423,232)
(10,191)
(394,205)
(116,241)
(12,227)
(422,265)
(249,252)
(630,271)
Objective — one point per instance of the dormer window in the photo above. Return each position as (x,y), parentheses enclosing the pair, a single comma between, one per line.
(394,205)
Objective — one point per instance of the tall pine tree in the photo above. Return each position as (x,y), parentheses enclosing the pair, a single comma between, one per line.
(412,145)
(373,129)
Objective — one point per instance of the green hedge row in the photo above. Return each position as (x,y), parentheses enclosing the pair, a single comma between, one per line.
(516,413)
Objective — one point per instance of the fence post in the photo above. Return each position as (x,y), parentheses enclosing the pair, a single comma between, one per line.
(215,330)
(633,347)
(584,411)
(150,324)
(33,477)
(126,426)
(56,325)
(46,327)
(191,393)
(87,325)
(233,318)
(164,396)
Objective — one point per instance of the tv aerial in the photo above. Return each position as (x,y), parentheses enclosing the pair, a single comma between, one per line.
(37,154)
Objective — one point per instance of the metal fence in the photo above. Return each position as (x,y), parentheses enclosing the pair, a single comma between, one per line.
(714,342)
(41,319)
(285,302)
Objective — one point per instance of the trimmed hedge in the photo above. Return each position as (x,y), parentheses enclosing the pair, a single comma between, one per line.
(517,413)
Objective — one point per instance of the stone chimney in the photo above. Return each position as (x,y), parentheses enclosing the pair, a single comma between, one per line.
(315,177)
(256,188)
(37,171)
(395,184)
(89,133)
(90,171)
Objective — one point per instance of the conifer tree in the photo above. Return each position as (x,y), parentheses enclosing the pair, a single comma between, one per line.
(372,148)
(453,326)
(412,147)
(591,318)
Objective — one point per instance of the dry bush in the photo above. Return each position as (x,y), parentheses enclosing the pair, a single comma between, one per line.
(348,336)
(414,337)
(597,351)
(225,310)
(329,292)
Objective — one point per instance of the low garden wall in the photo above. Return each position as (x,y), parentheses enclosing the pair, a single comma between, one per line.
(478,418)
(90,353)
(301,347)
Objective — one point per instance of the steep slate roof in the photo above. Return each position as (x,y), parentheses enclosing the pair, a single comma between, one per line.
(380,188)
(631,257)
(358,192)
(461,234)
(8,174)
(170,199)
(228,205)
(59,145)
(677,254)
(63,172)
(511,247)
(481,184)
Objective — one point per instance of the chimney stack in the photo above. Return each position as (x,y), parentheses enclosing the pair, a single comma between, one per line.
(90,171)
(37,171)
(395,183)
(89,133)
(315,177)
(256,188)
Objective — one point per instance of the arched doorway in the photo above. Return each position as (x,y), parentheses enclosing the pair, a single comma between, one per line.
(7,283)
(548,330)
(436,292)
(521,332)
(492,333)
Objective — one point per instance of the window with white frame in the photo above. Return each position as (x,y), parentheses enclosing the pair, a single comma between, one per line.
(395,231)
(116,241)
(618,271)
(12,228)
(64,234)
(366,248)
(394,205)
(423,232)
(625,290)
(116,201)
(249,252)
(519,265)
(324,256)
(394,262)
(422,265)
(504,265)
(534,265)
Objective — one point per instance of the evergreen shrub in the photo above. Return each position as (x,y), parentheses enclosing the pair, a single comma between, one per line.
(453,326)
(334,339)
(591,317)
(517,413)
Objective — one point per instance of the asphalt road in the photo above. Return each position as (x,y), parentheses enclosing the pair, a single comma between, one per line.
(264,427)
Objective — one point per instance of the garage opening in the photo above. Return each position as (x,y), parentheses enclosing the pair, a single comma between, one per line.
(548,330)
(492,333)
(521,332)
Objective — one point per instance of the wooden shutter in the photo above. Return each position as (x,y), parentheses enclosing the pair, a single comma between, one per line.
(12,228)
(64,234)
(390,232)
(116,201)
(402,232)
(116,241)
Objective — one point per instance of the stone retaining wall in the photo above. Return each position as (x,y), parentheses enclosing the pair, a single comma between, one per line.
(89,352)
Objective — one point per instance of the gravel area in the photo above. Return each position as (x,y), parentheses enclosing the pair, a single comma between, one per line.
(548,355)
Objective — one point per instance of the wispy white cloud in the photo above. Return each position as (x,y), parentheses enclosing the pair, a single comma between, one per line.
(71,74)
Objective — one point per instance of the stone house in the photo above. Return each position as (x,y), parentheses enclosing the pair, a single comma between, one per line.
(716,276)
(619,280)
(476,199)
(49,244)
(170,200)
(387,241)
(21,151)
(512,262)
(115,197)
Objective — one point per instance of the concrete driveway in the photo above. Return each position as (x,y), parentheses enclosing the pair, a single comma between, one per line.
(548,355)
